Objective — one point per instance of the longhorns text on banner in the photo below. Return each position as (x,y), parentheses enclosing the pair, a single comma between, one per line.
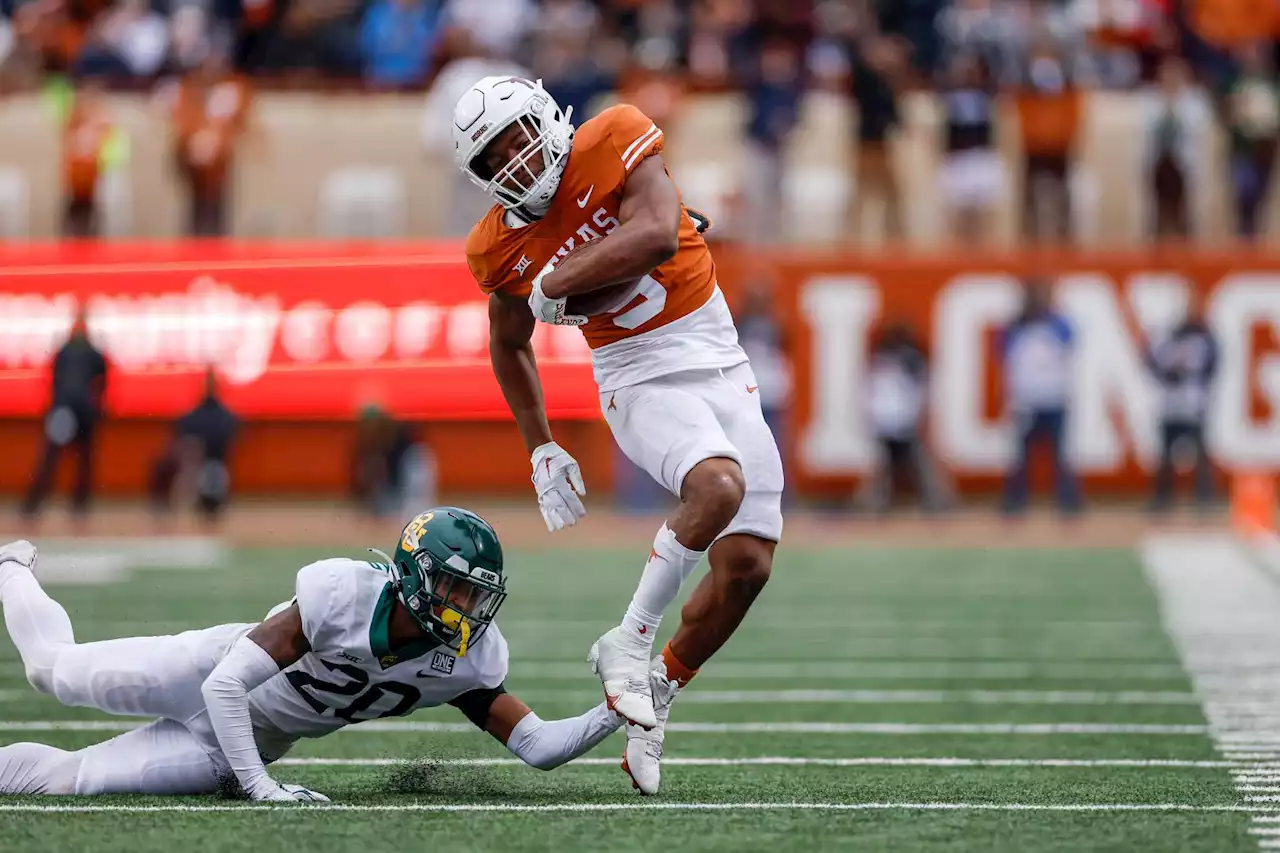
(1116,402)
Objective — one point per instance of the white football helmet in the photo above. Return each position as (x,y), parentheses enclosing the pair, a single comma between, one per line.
(490,107)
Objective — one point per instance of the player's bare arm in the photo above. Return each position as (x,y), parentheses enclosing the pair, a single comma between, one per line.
(511,326)
(556,475)
(282,637)
(648,237)
(254,659)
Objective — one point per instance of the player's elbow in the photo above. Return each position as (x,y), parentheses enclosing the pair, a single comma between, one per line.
(220,685)
(661,243)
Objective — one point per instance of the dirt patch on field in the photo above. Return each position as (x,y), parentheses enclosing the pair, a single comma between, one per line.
(321,524)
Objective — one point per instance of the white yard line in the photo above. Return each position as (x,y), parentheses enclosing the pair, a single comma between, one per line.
(928,697)
(1221,611)
(849,670)
(517,808)
(379,726)
(782,761)
(863,697)
(889,669)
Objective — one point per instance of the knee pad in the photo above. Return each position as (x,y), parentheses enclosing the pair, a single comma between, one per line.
(40,675)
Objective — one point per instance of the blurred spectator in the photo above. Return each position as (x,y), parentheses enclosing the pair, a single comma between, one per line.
(879,65)
(1185,365)
(55,30)
(914,24)
(979,29)
(1219,27)
(1122,35)
(897,388)
(79,379)
(567,56)
(714,28)
(396,40)
(765,342)
(1176,116)
(88,135)
(1005,34)
(192,36)
(775,86)
(1050,109)
(1252,113)
(464,203)
(972,176)
(316,35)
(1037,351)
(496,27)
(392,471)
(196,459)
(128,39)
(209,114)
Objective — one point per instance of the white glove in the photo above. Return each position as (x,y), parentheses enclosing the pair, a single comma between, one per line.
(551,310)
(558,479)
(270,791)
(19,551)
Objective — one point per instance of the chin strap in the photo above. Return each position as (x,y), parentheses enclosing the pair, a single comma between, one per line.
(455,621)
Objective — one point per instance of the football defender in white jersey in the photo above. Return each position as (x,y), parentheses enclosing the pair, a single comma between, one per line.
(359,641)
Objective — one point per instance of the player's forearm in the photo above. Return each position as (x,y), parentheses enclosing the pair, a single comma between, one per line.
(633,250)
(226,696)
(517,374)
(546,744)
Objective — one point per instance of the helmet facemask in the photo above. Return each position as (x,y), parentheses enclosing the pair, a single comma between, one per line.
(455,604)
(548,133)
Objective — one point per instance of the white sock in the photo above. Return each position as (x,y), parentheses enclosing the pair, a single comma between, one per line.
(669,564)
(37,625)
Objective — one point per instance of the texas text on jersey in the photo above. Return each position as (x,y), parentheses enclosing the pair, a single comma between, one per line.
(674,319)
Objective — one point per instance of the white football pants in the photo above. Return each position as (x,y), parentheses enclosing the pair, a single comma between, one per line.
(135,676)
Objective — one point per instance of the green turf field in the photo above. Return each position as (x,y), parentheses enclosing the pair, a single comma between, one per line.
(875,700)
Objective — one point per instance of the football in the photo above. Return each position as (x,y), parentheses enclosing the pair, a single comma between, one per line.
(603,300)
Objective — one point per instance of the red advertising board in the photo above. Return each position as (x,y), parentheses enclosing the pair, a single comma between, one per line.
(294,331)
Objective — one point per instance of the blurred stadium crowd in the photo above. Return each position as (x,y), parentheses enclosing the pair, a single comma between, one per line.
(1194,62)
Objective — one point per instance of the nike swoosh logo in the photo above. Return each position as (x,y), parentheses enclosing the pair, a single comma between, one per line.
(426,673)
(582,202)
(751,389)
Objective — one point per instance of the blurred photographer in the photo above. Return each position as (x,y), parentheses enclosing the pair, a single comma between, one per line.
(392,471)
(1038,349)
(79,381)
(195,461)
(1185,365)
(898,386)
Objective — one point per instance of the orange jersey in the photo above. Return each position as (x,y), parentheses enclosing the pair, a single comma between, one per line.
(605,151)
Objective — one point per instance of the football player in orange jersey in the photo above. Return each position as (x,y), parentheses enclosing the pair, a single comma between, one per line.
(676,389)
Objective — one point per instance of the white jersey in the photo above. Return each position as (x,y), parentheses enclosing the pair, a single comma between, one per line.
(351,674)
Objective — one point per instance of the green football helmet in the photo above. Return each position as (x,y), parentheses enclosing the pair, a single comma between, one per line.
(451,579)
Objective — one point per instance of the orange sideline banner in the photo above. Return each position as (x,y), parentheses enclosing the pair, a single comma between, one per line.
(1117,303)
(305,331)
